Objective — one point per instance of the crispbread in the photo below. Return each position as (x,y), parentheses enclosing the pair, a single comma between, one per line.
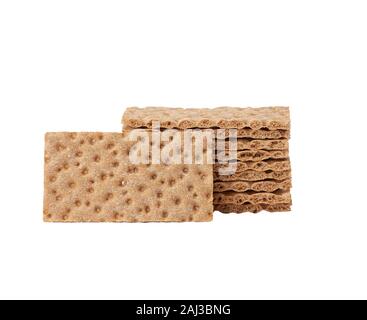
(259,186)
(272,118)
(187,143)
(88,178)
(252,197)
(247,133)
(274,165)
(250,144)
(254,155)
(251,175)
(253,208)
(258,134)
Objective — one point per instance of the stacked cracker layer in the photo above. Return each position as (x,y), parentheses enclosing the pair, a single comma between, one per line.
(263,177)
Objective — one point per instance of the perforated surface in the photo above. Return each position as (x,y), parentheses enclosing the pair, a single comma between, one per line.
(88,177)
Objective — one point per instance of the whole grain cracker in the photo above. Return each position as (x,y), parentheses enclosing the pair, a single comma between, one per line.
(250,144)
(272,118)
(251,175)
(263,134)
(259,186)
(252,208)
(258,134)
(254,155)
(273,165)
(231,197)
(88,178)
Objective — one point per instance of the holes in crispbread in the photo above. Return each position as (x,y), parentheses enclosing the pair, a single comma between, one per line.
(92,141)
(71,184)
(108,196)
(141,188)
(59,147)
(110,146)
(132,169)
(177,201)
(122,182)
(97,209)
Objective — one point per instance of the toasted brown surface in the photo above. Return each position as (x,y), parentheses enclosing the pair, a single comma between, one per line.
(259,186)
(251,175)
(253,208)
(231,197)
(272,118)
(88,177)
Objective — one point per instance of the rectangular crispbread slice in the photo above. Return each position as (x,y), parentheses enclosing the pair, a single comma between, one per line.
(258,186)
(251,175)
(252,208)
(250,144)
(89,178)
(273,165)
(272,118)
(264,134)
(253,155)
(231,197)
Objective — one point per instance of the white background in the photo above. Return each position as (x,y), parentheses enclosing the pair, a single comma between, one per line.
(75,65)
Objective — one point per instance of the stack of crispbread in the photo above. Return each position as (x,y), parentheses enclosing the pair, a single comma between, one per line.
(262,180)
(91,176)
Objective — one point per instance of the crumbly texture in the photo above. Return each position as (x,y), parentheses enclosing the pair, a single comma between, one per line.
(250,144)
(273,165)
(272,118)
(259,186)
(231,197)
(89,178)
(251,175)
(252,208)
(253,155)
